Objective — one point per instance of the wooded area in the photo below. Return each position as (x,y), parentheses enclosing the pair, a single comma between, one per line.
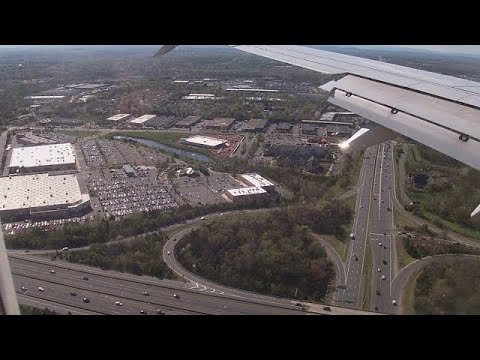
(449,287)
(141,256)
(272,254)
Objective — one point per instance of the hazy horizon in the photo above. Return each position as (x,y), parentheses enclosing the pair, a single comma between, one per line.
(446,49)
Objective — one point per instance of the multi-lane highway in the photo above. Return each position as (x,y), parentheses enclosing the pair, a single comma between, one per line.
(351,295)
(103,289)
(382,232)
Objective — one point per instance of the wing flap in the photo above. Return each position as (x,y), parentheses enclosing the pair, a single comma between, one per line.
(451,115)
(434,136)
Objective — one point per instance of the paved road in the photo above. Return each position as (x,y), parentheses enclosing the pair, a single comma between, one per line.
(104,288)
(198,283)
(382,232)
(351,295)
(340,272)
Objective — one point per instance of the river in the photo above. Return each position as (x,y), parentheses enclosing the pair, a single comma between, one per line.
(159,146)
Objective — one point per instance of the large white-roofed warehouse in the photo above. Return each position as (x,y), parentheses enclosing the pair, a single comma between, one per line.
(41,196)
(204,141)
(256,180)
(43,158)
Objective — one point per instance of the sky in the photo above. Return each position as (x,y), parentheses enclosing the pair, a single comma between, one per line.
(464,49)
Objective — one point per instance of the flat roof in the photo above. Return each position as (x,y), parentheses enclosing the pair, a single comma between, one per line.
(43,155)
(252,190)
(142,119)
(256,124)
(38,97)
(330,115)
(256,180)
(118,117)
(40,190)
(205,140)
(253,90)
(219,122)
(189,120)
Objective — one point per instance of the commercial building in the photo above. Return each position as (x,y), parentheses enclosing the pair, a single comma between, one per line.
(188,121)
(339,130)
(245,194)
(118,117)
(129,170)
(348,117)
(43,158)
(256,180)
(219,123)
(255,125)
(66,122)
(142,119)
(32,139)
(284,127)
(41,196)
(309,129)
(204,141)
(187,172)
(200,97)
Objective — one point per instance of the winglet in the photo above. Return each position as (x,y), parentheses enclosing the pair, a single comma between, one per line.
(367,136)
(475,215)
(164,49)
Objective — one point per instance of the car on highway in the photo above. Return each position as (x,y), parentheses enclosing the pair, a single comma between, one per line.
(86,300)
(383,277)
(327,308)
(352,236)
(176,296)
(85,278)
(168,252)
(65,248)
(379,244)
(52,271)
(160,312)
(378,269)
(27,251)
(146,293)
(24,288)
(41,288)
(202,218)
(394,303)
(143,312)
(378,292)
(384,262)
(73,293)
(118,303)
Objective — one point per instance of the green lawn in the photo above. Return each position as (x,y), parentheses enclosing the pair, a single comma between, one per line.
(340,246)
(408,299)
(458,228)
(403,257)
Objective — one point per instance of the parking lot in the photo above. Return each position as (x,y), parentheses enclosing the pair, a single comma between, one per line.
(121,195)
(204,189)
(111,153)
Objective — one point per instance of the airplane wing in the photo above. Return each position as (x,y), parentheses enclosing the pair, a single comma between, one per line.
(442,112)
(8,297)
